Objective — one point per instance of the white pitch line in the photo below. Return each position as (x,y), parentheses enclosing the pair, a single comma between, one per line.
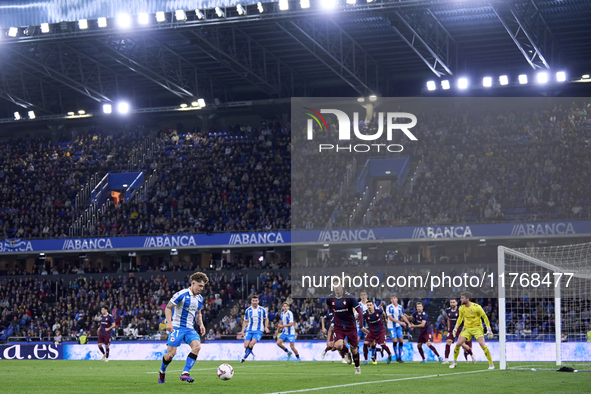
(319,374)
(378,381)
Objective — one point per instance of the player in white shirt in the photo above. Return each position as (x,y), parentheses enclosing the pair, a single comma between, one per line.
(287,332)
(395,313)
(182,312)
(363,303)
(255,321)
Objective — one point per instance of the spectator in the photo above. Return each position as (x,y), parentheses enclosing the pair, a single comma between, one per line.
(83,339)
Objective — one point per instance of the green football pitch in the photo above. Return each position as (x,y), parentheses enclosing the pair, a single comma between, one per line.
(59,376)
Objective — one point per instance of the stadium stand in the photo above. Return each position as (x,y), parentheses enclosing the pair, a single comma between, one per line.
(516,166)
(480,177)
(40,178)
(36,309)
(218,181)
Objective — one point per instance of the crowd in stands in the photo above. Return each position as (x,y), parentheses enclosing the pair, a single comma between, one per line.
(308,312)
(319,189)
(505,166)
(535,318)
(41,309)
(519,165)
(39,179)
(34,309)
(230,181)
(501,166)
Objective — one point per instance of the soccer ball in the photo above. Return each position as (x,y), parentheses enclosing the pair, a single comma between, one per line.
(225,372)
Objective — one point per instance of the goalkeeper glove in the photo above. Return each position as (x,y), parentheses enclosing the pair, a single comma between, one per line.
(489,333)
(455,331)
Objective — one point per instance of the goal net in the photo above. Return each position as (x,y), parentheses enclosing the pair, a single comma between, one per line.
(544,307)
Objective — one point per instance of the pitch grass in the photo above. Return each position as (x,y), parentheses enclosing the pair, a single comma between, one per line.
(37,376)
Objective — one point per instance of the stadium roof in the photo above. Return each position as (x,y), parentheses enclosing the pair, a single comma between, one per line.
(387,48)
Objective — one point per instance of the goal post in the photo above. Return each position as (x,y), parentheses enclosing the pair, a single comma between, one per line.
(502,309)
(545,307)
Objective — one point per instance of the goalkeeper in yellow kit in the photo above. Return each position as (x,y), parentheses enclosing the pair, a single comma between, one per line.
(472,315)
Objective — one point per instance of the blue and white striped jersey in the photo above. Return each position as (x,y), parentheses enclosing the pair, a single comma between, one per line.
(396,312)
(286,318)
(256,318)
(186,306)
(363,306)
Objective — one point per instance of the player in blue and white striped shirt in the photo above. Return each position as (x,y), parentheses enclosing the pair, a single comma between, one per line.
(287,332)
(182,312)
(395,314)
(255,321)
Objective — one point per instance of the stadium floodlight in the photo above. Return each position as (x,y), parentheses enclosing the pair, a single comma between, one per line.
(351,1)
(71,113)
(195,104)
(284,5)
(31,114)
(361,99)
(180,15)
(504,80)
(199,14)
(81,112)
(45,28)
(219,12)
(107,108)
(124,20)
(160,16)
(240,10)
(260,7)
(123,107)
(445,84)
(328,4)
(201,102)
(586,76)
(83,24)
(561,76)
(431,85)
(183,105)
(522,79)
(487,82)
(102,22)
(13,31)
(143,18)
(542,77)
(463,83)
(373,97)
(305,4)
(29,31)
(17,116)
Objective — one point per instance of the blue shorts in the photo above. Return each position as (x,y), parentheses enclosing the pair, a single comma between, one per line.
(180,334)
(256,335)
(396,332)
(287,338)
(360,334)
